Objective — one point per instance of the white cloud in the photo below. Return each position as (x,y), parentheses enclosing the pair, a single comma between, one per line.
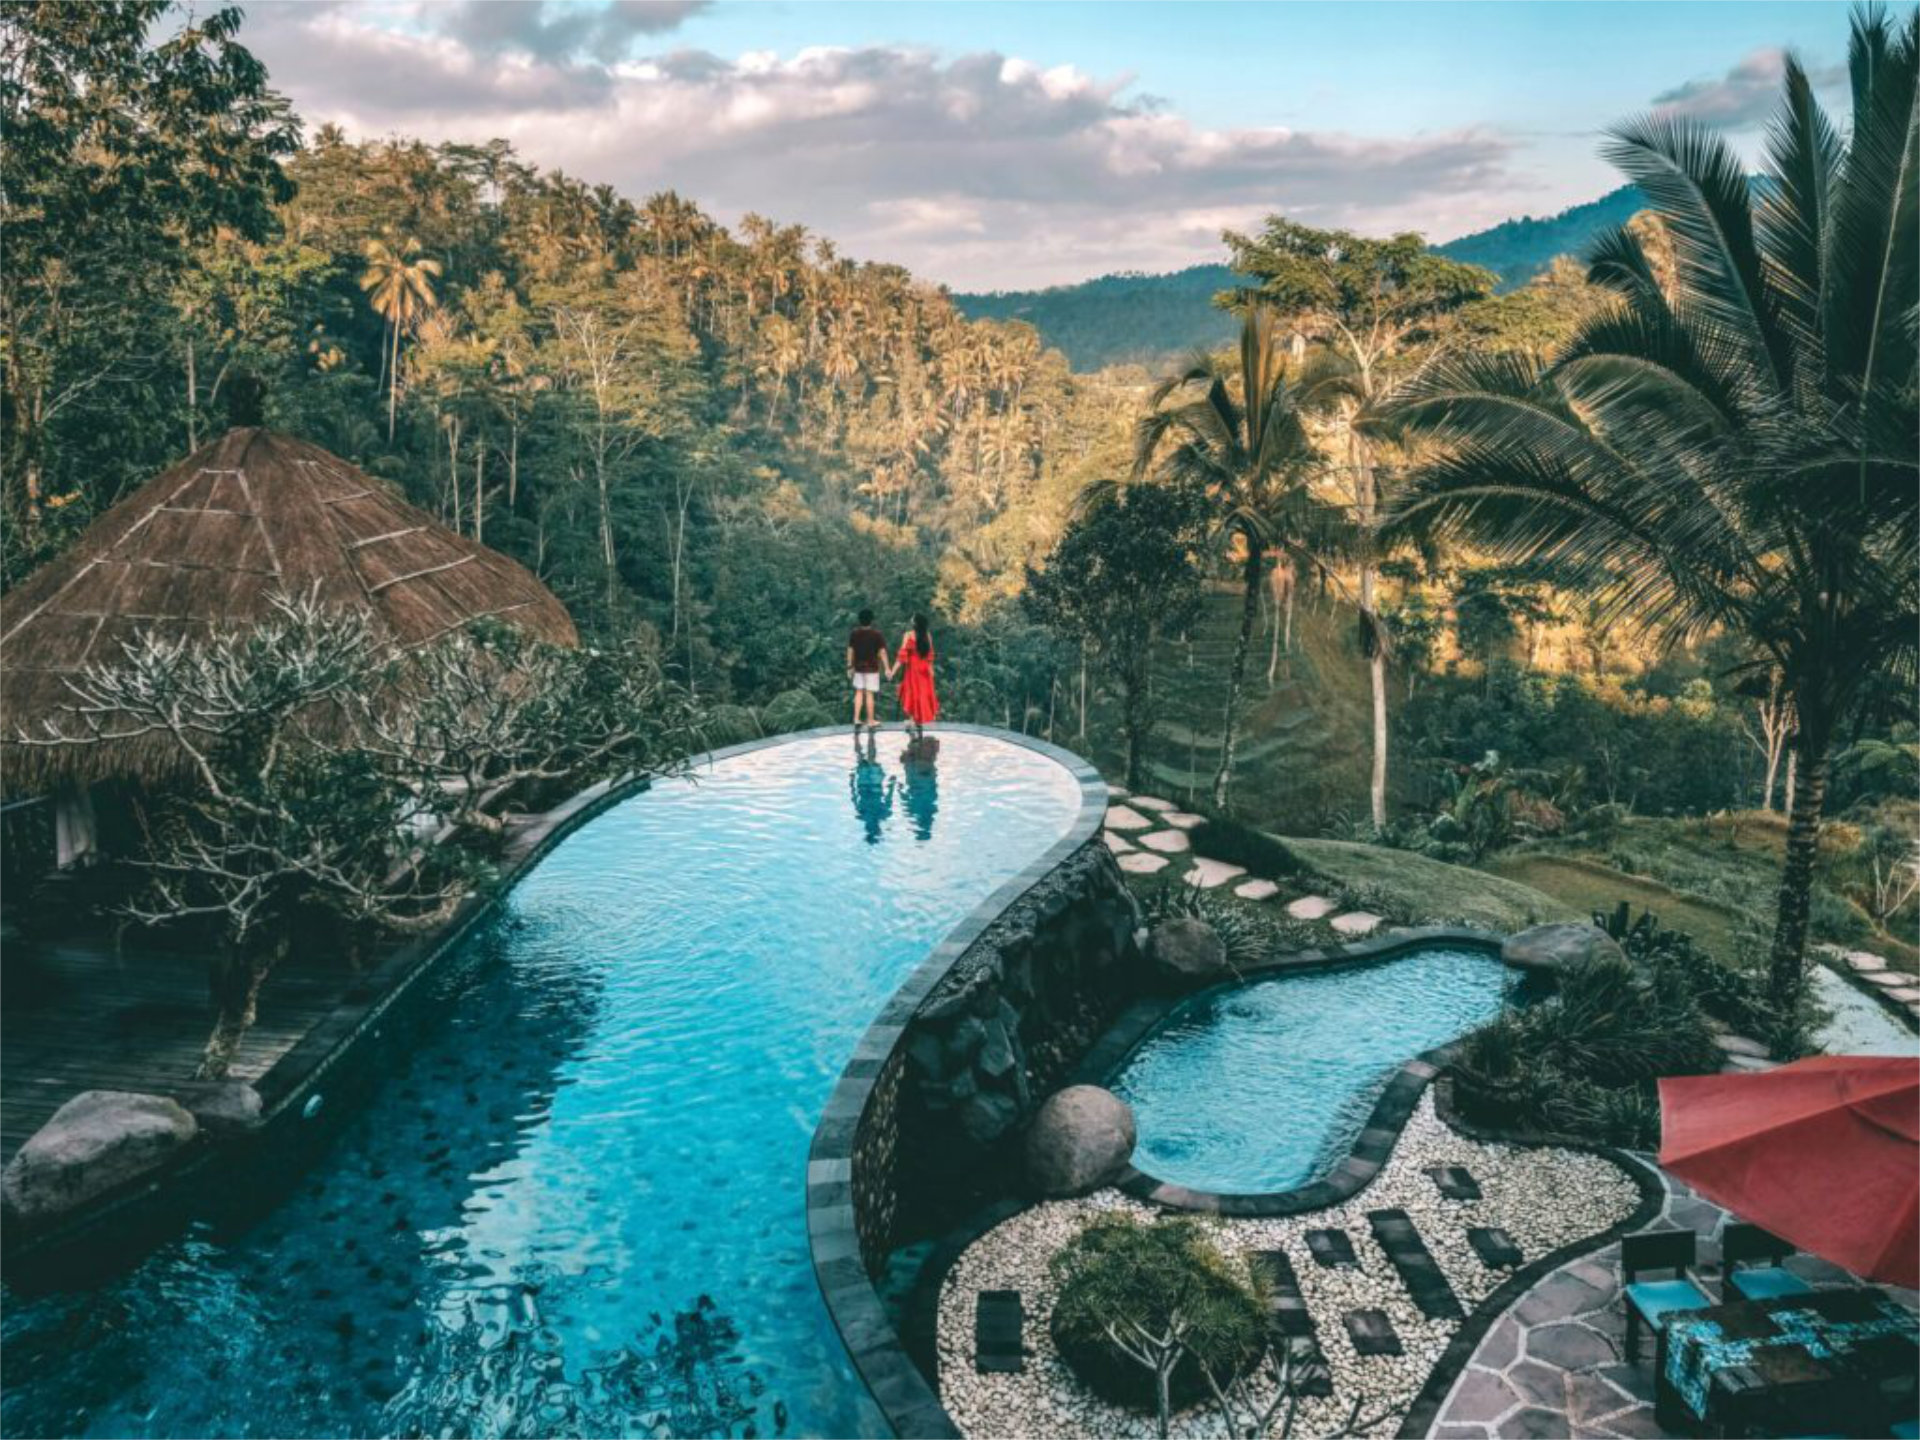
(978,170)
(1743,98)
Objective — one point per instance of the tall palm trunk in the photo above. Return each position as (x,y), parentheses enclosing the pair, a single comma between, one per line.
(1367,496)
(393,379)
(1785,971)
(1249,611)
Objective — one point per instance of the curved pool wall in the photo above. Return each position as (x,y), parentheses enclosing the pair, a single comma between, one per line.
(538,1220)
(888,1115)
(1261,1085)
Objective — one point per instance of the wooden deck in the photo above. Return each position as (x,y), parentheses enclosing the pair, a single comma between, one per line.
(74,1016)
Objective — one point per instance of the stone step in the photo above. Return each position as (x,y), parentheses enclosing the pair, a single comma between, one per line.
(999,1331)
(1167,842)
(1495,1247)
(1418,1270)
(1256,890)
(1123,817)
(1356,922)
(1115,842)
(1372,1333)
(1141,863)
(1454,1182)
(1311,907)
(1207,874)
(1332,1249)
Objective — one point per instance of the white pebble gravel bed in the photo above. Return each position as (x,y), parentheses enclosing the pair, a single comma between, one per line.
(1543,1198)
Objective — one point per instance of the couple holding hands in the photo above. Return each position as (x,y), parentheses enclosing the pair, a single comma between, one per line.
(866,660)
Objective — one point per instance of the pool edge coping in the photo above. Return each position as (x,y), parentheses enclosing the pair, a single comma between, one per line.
(908,1399)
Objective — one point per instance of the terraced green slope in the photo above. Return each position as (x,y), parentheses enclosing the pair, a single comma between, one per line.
(1304,743)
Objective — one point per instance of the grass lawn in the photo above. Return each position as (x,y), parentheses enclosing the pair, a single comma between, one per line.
(1430,890)
(1586,886)
(1716,870)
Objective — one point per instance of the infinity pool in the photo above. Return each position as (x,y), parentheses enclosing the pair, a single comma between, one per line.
(1260,1086)
(576,1204)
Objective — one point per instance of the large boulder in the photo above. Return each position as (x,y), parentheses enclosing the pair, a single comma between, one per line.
(94,1143)
(1079,1140)
(1558,948)
(225,1107)
(1187,952)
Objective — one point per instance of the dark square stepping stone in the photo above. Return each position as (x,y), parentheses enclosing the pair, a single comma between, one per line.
(1308,1373)
(1455,1182)
(1495,1248)
(999,1324)
(1418,1270)
(1372,1333)
(1287,1314)
(1332,1249)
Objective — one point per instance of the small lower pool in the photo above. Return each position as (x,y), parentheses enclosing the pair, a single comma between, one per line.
(575,1203)
(1262,1085)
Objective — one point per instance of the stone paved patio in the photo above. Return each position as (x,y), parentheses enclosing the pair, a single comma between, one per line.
(1555,1364)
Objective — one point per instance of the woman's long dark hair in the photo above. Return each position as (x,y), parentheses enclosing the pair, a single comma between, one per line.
(922,638)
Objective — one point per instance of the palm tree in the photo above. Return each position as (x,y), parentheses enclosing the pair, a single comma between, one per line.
(1735,449)
(399,285)
(1254,458)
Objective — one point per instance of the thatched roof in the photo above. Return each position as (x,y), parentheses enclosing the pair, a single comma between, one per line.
(205,545)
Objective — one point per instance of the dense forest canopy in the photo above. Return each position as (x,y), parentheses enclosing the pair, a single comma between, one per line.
(720,439)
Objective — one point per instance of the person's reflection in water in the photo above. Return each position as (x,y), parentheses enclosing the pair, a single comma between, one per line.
(923,784)
(872,789)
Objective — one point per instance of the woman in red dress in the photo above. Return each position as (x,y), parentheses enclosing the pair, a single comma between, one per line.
(915,658)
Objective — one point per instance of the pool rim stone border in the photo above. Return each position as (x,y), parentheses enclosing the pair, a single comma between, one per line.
(906,1398)
(1347,1177)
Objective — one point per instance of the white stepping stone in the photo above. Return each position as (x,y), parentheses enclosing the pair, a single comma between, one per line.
(1355,922)
(1311,907)
(1753,1064)
(1141,863)
(1119,817)
(1864,960)
(1149,802)
(1167,842)
(1181,820)
(1256,890)
(1741,1045)
(1206,874)
(1114,843)
(1118,792)
(1888,979)
(1907,994)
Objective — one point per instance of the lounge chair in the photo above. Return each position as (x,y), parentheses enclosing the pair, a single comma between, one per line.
(1744,1245)
(1649,1302)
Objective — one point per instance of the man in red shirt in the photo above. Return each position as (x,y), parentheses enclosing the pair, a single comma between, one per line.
(866,658)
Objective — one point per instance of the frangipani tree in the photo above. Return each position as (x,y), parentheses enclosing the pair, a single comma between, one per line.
(1738,448)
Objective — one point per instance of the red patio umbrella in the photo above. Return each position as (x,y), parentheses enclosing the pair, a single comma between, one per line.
(1823,1152)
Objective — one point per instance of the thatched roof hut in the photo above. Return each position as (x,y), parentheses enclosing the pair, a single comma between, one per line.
(205,545)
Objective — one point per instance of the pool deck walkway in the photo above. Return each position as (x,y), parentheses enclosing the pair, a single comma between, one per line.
(1555,1364)
(79,1013)
(76,1014)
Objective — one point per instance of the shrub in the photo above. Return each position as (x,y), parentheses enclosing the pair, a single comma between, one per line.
(1145,1283)
(793,710)
(731,725)
(1249,935)
(1586,1061)
(1236,843)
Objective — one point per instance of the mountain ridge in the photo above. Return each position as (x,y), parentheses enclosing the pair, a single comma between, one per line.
(1132,317)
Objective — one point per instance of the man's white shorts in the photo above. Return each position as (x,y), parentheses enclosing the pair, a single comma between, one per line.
(867,680)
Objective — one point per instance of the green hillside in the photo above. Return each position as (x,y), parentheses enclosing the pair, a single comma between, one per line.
(1303,751)
(1518,250)
(1129,319)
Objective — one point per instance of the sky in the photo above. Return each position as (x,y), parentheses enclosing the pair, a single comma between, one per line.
(988,144)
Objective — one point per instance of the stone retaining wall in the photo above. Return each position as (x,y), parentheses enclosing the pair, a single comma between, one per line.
(1001,1032)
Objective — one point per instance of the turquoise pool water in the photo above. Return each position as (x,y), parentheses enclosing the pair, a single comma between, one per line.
(1260,1086)
(576,1205)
